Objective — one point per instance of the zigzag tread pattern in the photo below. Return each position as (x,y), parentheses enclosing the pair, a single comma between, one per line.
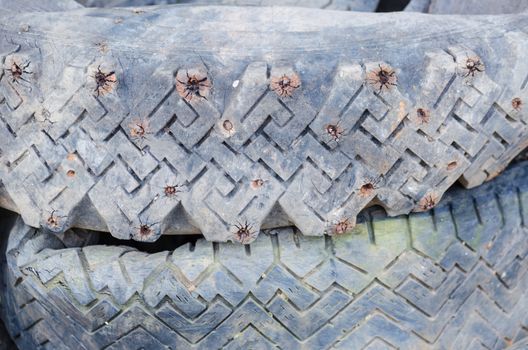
(74,153)
(452,278)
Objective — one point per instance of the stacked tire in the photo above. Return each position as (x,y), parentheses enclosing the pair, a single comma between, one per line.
(454,277)
(321,179)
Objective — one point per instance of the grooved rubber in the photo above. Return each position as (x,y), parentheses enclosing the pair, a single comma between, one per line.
(455,277)
(240,147)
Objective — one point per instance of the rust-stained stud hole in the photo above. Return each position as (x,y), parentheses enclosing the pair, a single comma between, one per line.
(194,86)
(427,202)
(244,233)
(171,190)
(70,173)
(370,184)
(53,220)
(145,230)
(517,103)
(382,77)
(257,183)
(335,131)
(139,128)
(104,82)
(285,85)
(423,115)
(472,66)
(342,227)
(452,165)
(227,125)
(367,189)
(17,71)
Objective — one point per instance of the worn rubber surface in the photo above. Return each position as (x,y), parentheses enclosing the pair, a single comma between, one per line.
(349,5)
(11,7)
(469,7)
(522,156)
(455,277)
(5,340)
(521,345)
(304,119)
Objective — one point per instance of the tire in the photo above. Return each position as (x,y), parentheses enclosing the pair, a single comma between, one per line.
(522,156)
(143,154)
(349,5)
(521,345)
(5,341)
(455,277)
(25,6)
(468,7)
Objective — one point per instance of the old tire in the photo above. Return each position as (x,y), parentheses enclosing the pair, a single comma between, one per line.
(5,341)
(468,7)
(242,151)
(348,5)
(455,277)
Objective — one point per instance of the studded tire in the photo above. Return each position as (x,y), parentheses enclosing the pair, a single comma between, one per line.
(455,277)
(171,120)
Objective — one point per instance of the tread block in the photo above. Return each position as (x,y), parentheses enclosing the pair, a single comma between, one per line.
(313,144)
(367,289)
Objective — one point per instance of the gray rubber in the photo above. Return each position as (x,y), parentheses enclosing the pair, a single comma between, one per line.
(348,5)
(477,7)
(5,341)
(522,156)
(521,345)
(469,7)
(11,7)
(455,277)
(243,151)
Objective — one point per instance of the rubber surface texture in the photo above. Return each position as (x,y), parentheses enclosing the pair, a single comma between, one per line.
(25,6)
(5,341)
(348,5)
(455,277)
(468,7)
(326,113)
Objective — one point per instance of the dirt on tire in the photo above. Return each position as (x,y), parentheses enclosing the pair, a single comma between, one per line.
(454,277)
(105,127)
